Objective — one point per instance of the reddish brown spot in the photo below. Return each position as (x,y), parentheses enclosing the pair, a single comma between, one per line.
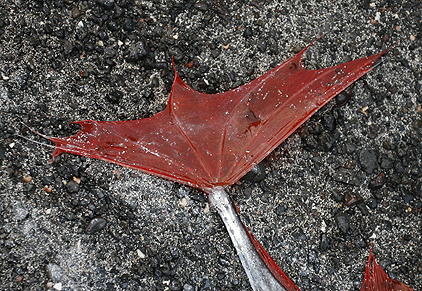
(293,66)
(189,65)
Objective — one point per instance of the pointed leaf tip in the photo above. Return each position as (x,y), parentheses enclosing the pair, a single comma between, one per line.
(376,279)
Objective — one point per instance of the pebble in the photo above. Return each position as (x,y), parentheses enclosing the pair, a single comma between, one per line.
(280,210)
(324,242)
(54,272)
(329,122)
(137,52)
(262,45)
(377,183)
(224,260)
(72,187)
(114,96)
(20,212)
(201,6)
(96,225)
(346,176)
(351,199)
(342,220)
(107,4)
(372,203)
(368,161)
(248,32)
(255,175)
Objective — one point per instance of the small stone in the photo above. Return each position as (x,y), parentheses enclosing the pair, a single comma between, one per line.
(324,243)
(75,13)
(200,6)
(137,52)
(329,122)
(20,213)
(346,176)
(299,235)
(107,4)
(128,25)
(54,272)
(342,220)
(257,174)
(183,202)
(372,203)
(112,26)
(224,261)
(280,210)
(248,32)
(368,161)
(262,45)
(140,254)
(72,187)
(114,96)
(377,183)
(96,225)
(351,199)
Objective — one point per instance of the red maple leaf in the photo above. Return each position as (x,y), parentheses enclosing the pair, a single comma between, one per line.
(209,141)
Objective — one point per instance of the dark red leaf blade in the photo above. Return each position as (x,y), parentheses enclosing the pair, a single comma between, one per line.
(377,280)
(213,140)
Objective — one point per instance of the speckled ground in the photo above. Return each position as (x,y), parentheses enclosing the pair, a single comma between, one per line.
(349,177)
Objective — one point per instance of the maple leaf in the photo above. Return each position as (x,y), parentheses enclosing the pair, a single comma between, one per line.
(209,141)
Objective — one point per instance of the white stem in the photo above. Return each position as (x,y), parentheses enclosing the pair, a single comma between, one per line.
(259,276)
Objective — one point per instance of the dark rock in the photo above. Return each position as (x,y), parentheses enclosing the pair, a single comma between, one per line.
(175,285)
(107,4)
(368,161)
(372,203)
(215,53)
(324,242)
(201,6)
(337,196)
(72,187)
(342,220)
(60,33)
(351,199)
(128,25)
(377,183)
(362,207)
(2,153)
(346,176)
(386,163)
(137,52)
(75,13)
(176,53)
(329,122)
(114,97)
(299,235)
(96,225)
(255,175)
(224,260)
(248,32)
(112,26)
(280,210)
(262,45)
(350,148)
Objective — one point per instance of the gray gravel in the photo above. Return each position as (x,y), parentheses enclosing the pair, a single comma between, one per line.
(349,177)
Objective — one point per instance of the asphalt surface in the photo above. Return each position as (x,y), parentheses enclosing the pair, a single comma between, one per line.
(349,177)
